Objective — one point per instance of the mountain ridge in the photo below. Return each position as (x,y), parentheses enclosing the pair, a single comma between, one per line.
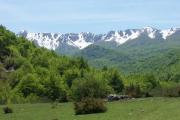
(79,41)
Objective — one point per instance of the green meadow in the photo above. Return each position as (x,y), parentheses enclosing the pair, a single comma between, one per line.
(136,109)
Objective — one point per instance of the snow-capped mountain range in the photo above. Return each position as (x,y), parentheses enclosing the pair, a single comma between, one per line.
(81,40)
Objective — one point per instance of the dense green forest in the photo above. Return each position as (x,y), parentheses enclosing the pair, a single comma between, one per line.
(143,55)
(153,66)
(29,73)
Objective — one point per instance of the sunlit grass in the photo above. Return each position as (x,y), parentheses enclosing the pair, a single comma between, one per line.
(138,109)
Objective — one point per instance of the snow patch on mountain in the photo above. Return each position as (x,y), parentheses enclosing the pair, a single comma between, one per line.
(82,40)
(121,36)
(81,43)
(150,31)
(168,32)
(47,40)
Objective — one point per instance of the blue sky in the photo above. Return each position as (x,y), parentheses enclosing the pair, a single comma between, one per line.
(98,16)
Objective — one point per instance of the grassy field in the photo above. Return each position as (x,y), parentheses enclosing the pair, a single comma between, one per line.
(138,109)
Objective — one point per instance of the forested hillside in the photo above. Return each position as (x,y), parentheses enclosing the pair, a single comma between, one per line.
(137,56)
(28,72)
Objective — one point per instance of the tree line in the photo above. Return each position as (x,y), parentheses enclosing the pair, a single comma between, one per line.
(30,73)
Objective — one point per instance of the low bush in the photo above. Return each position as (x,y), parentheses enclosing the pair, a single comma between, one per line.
(148,94)
(133,91)
(172,92)
(7,110)
(166,91)
(89,106)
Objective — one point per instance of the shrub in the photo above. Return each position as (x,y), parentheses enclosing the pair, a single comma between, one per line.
(90,87)
(89,106)
(156,92)
(171,92)
(115,80)
(7,110)
(133,91)
(55,89)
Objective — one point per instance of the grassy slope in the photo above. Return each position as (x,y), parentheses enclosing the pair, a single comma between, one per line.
(139,109)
